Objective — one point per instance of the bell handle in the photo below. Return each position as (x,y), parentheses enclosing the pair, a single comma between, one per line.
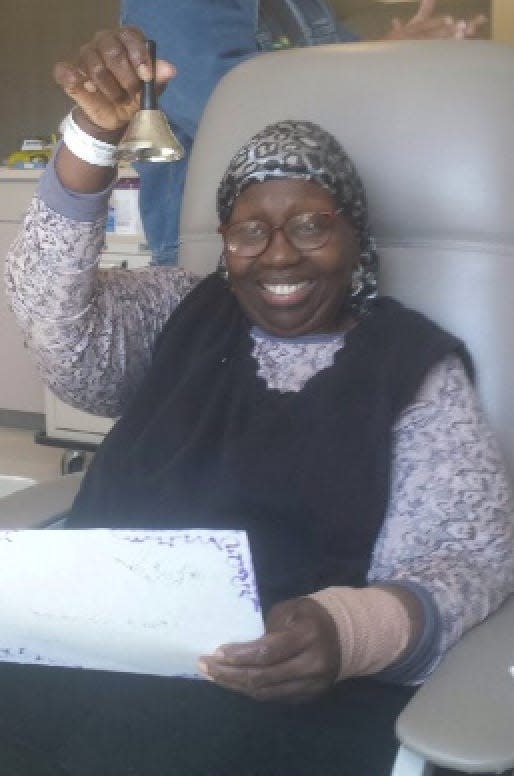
(149,97)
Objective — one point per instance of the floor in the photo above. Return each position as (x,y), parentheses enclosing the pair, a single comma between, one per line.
(20,456)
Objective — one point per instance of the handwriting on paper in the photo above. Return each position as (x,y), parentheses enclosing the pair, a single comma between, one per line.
(137,601)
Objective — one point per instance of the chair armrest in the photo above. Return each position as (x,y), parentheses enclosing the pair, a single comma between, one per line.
(40,504)
(463,717)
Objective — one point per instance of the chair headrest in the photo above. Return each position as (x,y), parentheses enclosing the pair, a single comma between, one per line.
(428,124)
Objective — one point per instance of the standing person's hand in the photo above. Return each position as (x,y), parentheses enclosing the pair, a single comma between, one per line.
(105,82)
(297,659)
(424,25)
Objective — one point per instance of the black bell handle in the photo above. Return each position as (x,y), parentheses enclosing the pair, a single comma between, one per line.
(149,97)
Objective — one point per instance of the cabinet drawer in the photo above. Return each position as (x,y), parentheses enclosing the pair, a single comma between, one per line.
(65,422)
(70,419)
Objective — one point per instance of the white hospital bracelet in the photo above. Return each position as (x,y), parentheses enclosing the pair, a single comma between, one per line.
(87,147)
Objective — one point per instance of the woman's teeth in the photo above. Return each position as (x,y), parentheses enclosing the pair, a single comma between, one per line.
(281,289)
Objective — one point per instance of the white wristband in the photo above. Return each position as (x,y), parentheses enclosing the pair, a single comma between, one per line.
(86,147)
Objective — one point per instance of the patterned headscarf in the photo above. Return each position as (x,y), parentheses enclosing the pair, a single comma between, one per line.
(303,150)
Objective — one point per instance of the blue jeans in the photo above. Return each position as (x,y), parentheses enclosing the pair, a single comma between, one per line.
(204,39)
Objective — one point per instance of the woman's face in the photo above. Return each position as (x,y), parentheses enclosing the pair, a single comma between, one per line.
(284,290)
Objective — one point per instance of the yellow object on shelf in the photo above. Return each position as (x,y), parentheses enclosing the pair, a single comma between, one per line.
(26,160)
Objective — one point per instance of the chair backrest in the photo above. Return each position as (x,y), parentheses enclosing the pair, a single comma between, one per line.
(430,128)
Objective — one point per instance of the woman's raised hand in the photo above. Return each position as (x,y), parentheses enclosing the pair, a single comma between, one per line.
(295,661)
(105,82)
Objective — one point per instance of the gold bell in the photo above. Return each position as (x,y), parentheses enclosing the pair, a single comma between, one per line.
(148,137)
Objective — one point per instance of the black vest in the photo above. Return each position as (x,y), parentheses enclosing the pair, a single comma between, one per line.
(205,444)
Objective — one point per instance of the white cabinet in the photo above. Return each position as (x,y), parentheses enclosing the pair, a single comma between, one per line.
(72,426)
(21,389)
(20,386)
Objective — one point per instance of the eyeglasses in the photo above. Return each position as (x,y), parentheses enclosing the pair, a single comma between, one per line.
(306,231)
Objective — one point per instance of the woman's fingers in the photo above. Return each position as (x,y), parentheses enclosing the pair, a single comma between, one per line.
(270,650)
(289,685)
(112,65)
(75,83)
(164,72)
(298,676)
(135,44)
(297,658)
(106,79)
(96,106)
(115,80)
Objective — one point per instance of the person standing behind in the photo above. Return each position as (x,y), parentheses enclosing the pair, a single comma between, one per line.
(204,40)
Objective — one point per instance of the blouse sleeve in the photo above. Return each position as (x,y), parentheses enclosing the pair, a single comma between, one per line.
(91,331)
(448,531)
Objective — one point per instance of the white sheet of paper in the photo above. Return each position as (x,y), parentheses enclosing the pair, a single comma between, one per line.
(146,602)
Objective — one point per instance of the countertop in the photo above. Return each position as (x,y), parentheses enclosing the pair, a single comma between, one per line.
(14,174)
(10,174)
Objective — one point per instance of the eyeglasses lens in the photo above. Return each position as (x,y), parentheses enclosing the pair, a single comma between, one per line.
(306,231)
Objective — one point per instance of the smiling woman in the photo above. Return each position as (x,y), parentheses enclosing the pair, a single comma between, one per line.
(296,283)
(297,246)
(281,397)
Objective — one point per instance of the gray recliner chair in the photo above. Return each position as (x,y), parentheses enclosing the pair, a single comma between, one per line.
(429,126)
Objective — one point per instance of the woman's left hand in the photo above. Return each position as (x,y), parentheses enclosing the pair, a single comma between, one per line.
(295,661)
